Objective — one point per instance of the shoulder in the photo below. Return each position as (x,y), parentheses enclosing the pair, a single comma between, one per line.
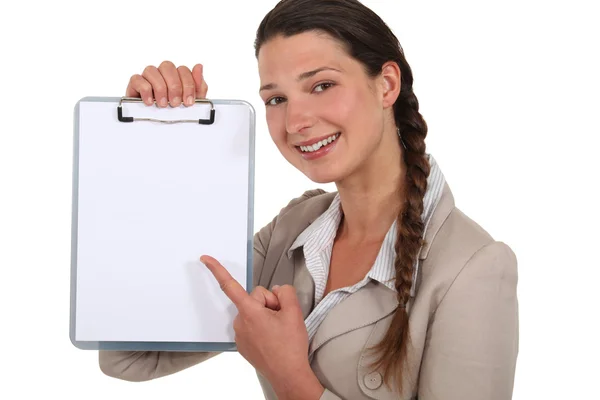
(467,308)
(463,249)
(460,235)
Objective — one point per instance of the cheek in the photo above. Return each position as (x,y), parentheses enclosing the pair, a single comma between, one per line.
(351,107)
(338,107)
(363,121)
(276,126)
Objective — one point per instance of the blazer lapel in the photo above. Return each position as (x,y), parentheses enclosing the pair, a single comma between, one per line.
(278,267)
(441,212)
(304,284)
(294,272)
(364,307)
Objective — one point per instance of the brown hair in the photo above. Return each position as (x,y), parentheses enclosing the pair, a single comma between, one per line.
(370,41)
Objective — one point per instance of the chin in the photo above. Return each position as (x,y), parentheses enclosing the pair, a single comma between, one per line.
(322,179)
(324,175)
(321,172)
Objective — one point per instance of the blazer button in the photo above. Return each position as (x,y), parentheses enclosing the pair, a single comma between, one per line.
(373,380)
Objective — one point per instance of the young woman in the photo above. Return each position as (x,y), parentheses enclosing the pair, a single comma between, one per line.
(383,289)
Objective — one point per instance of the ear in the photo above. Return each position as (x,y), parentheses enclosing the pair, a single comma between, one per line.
(391,79)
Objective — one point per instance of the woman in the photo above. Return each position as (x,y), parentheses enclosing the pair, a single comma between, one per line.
(383,289)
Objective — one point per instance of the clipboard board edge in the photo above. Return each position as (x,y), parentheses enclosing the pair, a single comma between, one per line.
(153,346)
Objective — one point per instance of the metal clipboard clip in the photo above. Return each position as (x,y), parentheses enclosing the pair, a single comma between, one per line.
(208,121)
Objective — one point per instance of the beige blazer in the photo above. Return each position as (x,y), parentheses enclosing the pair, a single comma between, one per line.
(463,318)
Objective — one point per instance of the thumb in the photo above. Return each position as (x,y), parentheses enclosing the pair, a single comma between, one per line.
(287,297)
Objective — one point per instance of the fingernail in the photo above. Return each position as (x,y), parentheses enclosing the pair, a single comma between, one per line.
(163,102)
(176,100)
(275,287)
(149,101)
(190,100)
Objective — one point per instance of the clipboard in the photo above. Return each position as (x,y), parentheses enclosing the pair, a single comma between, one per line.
(153,190)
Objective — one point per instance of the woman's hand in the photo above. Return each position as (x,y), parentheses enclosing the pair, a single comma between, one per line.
(270,333)
(168,85)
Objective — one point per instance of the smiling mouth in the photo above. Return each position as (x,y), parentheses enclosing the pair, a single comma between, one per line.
(320,144)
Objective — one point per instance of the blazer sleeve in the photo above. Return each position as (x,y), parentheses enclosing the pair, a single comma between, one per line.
(139,366)
(473,339)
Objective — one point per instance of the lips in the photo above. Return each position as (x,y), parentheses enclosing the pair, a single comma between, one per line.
(318,148)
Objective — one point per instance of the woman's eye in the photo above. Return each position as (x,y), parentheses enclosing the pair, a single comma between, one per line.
(274,101)
(323,86)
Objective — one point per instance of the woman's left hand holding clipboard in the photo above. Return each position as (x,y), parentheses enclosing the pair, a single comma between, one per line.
(270,333)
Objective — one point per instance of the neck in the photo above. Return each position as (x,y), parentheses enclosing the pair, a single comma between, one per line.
(371,198)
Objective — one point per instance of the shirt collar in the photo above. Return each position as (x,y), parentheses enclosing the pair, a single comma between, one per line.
(334,212)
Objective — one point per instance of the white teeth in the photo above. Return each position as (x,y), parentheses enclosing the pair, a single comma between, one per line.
(320,144)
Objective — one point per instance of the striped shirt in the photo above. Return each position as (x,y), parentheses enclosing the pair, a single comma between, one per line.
(317,243)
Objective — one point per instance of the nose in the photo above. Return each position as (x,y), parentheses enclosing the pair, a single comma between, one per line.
(299,116)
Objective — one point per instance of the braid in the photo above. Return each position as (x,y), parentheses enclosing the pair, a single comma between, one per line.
(412,129)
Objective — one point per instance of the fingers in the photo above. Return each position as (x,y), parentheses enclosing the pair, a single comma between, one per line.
(199,82)
(140,87)
(174,86)
(265,298)
(232,289)
(168,85)
(159,86)
(286,295)
(187,83)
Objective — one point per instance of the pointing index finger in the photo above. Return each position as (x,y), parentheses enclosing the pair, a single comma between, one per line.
(232,289)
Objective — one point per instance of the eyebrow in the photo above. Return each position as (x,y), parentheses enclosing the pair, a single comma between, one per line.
(301,77)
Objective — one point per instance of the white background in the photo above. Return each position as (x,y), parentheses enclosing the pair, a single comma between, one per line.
(509,91)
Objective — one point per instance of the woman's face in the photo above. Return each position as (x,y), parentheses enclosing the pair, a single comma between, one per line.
(324,113)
